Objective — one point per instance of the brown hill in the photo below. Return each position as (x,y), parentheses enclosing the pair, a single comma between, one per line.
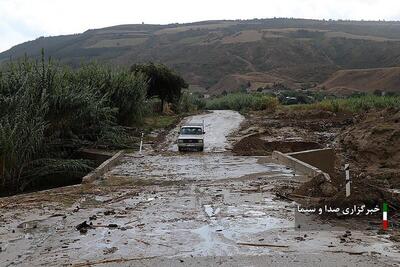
(222,55)
(250,81)
(364,80)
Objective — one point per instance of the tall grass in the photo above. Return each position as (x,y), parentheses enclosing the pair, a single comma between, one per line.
(243,102)
(353,104)
(48,112)
(124,90)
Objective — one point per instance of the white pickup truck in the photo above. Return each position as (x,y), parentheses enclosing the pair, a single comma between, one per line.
(191,137)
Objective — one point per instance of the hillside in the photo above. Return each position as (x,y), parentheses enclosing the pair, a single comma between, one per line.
(229,55)
(364,80)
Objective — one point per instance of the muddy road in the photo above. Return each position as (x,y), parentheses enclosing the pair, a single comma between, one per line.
(219,124)
(179,209)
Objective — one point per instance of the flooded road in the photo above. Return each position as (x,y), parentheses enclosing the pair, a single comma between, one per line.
(196,167)
(178,209)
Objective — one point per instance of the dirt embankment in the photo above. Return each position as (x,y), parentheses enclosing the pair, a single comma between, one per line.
(255,146)
(372,148)
(369,142)
(288,131)
(372,144)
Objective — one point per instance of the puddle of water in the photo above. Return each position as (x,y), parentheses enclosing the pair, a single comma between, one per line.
(236,223)
(219,238)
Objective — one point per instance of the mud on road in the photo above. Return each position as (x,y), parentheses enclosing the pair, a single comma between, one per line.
(219,125)
(167,208)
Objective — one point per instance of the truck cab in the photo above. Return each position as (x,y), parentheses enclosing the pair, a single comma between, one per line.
(191,137)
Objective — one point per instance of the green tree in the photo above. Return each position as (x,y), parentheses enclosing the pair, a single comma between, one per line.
(162,82)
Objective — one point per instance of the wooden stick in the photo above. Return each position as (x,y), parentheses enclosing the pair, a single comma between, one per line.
(299,196)
(261,245)
(142,241)
(111,261)
(348,252)
(282,196)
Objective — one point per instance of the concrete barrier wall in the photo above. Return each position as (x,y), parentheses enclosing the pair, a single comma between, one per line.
(97,156)
(103,168)
(323,159)
(298,166)
(295,164)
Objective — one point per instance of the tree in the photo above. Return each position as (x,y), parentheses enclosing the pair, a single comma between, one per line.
(162,82)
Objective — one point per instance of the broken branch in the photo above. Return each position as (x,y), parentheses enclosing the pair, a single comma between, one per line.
(261,245)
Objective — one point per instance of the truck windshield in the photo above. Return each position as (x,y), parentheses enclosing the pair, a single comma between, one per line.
(191,130)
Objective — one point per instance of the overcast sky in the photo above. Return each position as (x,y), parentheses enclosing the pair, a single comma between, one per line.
(23,20)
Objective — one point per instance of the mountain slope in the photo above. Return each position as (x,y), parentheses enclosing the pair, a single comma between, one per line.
(364,80)
(209,53)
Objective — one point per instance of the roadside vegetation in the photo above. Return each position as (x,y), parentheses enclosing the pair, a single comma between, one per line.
(49,112)
(357,103)
(354,104)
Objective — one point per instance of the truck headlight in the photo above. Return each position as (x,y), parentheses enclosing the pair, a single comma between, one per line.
(200,141)
(180,141)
